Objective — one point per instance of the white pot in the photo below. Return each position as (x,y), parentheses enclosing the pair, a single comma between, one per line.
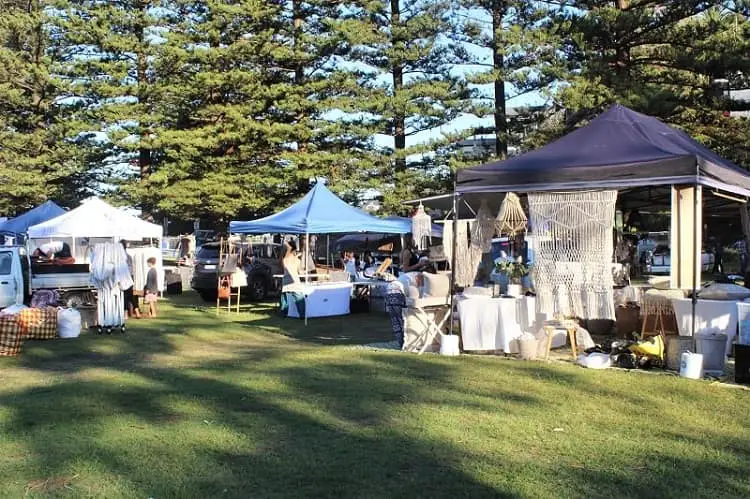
(515,290)
(449,344)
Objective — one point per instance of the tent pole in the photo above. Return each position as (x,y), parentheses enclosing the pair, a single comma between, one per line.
(307,271)
(328,251)
(453,255)
(697,269)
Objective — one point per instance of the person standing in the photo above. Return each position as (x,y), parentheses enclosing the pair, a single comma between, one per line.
(151,291)
(718,256)
(741,247)
(131,301)
(291,286)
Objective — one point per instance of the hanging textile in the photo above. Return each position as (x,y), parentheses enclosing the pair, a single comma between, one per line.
(110,275)
(448,241)
(573,235)
(421,228)
(468,256)
(511,219)
(483,229)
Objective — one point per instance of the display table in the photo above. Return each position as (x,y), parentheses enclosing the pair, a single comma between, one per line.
(710,316)
(324,300)
(493,323)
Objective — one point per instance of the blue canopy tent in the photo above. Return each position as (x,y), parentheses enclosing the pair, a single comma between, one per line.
(20,224)
(321,212)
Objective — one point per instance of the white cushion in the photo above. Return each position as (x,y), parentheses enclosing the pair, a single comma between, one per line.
(436,285)
(729,292)
(660,282)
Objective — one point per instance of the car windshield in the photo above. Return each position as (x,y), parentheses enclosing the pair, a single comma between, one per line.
(208,252)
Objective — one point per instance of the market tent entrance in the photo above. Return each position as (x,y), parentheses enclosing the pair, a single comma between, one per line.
(42,213)
(321,212)
(95,218)
(619,149)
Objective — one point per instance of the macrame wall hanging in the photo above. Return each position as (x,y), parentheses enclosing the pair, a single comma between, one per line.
(421,228)
(511,220)
(468,255)
(573,243)
(448,241)
(483,229)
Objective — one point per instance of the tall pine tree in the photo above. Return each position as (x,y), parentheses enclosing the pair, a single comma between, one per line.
(44,150)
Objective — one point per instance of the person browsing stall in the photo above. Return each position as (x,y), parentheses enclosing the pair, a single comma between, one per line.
(151,290)
(409,257)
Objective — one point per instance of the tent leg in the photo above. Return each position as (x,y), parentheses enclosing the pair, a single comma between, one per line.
(697,260)
(453,256)
(307,271)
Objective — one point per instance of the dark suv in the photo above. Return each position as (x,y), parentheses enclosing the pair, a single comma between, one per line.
(261,263)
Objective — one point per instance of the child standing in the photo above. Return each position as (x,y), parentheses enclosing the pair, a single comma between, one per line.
(151,290)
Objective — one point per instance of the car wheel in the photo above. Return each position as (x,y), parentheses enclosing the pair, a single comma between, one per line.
(258,288)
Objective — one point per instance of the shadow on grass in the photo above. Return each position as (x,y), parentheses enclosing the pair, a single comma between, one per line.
(290,422)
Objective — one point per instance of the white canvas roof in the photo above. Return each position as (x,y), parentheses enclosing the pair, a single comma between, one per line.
(95,218)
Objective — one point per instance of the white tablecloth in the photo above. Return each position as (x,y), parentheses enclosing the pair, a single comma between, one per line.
(493,323)
(324,300)
(710,316)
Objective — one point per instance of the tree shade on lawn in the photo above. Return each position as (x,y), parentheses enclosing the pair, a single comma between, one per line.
(189,405)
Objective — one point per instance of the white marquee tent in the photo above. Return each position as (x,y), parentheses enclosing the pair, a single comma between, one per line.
(96,219)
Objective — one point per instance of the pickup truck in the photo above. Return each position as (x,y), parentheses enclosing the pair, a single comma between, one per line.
(20,278)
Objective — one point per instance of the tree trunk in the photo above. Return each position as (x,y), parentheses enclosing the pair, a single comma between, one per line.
(144,153)
(498,63)
(399,120)
(622,55)
(299,69)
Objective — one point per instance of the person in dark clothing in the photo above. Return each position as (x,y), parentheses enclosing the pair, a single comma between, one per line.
(151,291)
(718,257)
(131,301)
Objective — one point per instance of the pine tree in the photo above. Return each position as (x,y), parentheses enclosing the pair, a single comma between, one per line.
(109,49)
(663,59)
(517,43)
(44,148)
(409,67)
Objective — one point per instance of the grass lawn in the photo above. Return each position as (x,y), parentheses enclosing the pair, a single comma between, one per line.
(191,405)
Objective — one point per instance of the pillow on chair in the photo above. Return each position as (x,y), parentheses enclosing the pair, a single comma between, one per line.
(436,284)
(728,292)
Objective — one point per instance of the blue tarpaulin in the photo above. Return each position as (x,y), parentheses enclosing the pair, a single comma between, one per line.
(21,223)
(619,149)
(321,212)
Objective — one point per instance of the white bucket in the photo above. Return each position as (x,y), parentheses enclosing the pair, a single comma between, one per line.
(691,366)
(515,290)
(449,344)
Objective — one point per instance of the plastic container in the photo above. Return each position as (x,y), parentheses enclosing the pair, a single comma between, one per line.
(68,323)
(527,347)
(713,348)
(742,364)
(743,316)
(449,344)
(676,346)
(691,366)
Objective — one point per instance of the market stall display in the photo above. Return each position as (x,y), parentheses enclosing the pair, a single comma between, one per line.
(324,300)
(710,316)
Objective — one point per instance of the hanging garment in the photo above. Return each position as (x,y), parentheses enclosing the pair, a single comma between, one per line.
(110,275)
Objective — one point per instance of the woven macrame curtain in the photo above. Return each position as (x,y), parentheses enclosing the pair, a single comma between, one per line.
(573,243)
(468,254)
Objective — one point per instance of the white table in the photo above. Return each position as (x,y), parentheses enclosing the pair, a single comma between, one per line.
(710,316)
(324,300)
(494,323)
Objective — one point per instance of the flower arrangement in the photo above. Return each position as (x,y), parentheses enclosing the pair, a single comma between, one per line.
(515,270)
